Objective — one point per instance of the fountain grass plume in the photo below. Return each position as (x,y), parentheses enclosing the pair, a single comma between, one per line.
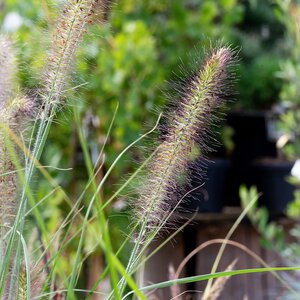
(14,116)
(15,111)
(69,31)
(188,126)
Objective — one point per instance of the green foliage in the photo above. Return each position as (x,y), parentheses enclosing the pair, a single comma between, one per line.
(289,12)
(263,92)
(275,237)
(289,126)
(272,234)
(260,36)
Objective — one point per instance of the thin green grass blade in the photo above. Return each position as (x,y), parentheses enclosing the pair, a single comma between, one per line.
(27,267)
(228,236)
(103,225)
(212,276)
(102,220)
(128,238)
(128,279)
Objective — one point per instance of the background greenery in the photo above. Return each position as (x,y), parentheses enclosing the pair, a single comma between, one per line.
(137,50)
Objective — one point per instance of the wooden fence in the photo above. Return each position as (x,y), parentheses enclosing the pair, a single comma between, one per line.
(262,286)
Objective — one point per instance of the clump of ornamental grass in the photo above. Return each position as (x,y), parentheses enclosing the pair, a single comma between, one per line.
(15,111)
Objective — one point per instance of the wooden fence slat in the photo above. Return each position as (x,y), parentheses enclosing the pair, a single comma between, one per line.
(157,268)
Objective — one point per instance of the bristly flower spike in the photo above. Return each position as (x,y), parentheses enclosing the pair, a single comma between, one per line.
(188,126)
(14,112)
(14,116)
(71,26)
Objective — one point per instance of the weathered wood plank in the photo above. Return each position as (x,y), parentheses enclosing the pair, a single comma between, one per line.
(157,268)
(238,287)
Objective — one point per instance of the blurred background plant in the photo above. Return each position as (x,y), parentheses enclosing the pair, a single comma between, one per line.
(282,235)
(260,35)
(288,12)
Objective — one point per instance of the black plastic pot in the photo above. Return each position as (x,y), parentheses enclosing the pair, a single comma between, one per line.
(210,197)
(251,142)
(270,179)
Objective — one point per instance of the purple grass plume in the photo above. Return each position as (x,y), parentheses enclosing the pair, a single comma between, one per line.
(188,126)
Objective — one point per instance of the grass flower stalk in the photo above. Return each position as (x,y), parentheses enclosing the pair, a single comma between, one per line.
(13,115)
(69,31)
(188,126)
